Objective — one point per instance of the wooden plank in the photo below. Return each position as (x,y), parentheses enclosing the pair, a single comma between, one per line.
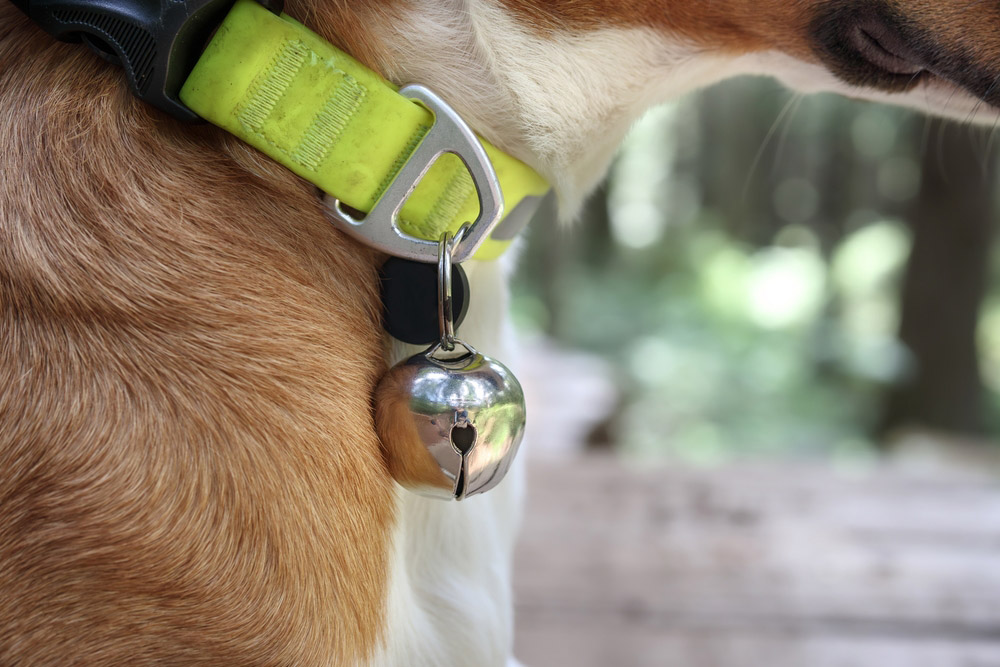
(775,559)
(604,645)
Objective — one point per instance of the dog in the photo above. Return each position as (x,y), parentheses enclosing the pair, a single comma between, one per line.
(189,467)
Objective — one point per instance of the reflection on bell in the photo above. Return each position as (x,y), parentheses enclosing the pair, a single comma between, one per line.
(450,426)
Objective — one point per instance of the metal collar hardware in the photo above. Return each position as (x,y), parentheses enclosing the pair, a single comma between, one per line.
(449,134)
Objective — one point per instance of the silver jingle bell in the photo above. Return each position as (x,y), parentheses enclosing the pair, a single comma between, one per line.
(450,425)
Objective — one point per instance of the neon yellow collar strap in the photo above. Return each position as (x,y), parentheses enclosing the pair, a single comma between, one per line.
(283,89)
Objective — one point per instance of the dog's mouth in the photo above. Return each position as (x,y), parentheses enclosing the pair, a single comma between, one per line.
(885,49)
(871,47)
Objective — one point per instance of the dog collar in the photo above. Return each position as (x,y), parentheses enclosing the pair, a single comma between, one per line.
(402,157)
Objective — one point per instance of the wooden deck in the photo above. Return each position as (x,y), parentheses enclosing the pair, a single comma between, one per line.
(764,566)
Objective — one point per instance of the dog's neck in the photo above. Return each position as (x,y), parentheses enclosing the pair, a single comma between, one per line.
(558,83)
(560,100)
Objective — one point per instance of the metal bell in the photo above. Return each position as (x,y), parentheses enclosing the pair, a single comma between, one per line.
(456,422)
(450,418)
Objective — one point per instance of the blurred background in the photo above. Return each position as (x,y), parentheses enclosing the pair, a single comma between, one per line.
(764,381)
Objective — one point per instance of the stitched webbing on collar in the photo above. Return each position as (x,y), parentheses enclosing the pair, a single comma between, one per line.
(283,89)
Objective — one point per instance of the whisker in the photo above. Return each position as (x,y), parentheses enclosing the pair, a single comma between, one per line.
(991,139)
(789,107)
(942,129)
(970,118)
(783,137)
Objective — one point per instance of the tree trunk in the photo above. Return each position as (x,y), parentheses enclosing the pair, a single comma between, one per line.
(944,286)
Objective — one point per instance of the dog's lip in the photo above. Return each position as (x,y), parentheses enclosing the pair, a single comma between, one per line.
(883,48)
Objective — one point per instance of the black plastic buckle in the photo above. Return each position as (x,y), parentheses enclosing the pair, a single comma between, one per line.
(158,42)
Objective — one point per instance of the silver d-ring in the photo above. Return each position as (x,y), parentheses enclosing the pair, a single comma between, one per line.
(446,310)
(449,134)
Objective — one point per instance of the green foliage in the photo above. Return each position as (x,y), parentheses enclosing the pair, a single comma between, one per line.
(742,277)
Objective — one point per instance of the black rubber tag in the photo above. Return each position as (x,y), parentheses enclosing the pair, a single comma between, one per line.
(410,300)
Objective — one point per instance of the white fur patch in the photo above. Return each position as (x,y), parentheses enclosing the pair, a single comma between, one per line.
(563,104)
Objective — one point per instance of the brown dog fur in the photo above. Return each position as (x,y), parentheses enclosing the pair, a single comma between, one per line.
(187,353)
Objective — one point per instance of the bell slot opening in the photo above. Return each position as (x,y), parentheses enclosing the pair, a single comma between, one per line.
(460,484)
(463,437)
